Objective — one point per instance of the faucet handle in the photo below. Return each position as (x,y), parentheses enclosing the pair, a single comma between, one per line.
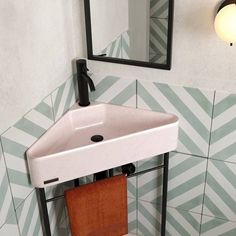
(84,69)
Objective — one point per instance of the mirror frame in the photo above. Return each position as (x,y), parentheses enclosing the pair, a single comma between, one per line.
(166,66)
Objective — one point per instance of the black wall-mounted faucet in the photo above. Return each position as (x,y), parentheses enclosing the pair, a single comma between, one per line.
(83,81)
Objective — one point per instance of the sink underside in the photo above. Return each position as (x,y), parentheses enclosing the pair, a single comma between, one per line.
(66,151)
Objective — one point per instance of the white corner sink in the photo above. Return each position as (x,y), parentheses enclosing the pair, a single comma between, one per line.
(66,152)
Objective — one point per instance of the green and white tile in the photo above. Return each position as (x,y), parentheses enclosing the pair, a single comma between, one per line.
(186,182)
(149,163)
(158,36)
(6,204)
(217,227)
(159,8)
(194,130)
(114,48)
(17,139)
(149,219)
(115,90)
(157,58)
(57,217)
(223,135)
(64,97)
(132,187)
(178,222)
(125,45)
(10,228)
(182,223)
(28,217)
(220,194)
(150,186)
(119,47)
(132,215)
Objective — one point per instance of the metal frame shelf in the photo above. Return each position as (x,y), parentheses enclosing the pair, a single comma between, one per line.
(42,200)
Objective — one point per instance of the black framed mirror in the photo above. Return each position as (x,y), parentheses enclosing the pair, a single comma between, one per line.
(132,32)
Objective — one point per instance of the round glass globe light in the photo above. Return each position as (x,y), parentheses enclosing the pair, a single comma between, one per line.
(225,23)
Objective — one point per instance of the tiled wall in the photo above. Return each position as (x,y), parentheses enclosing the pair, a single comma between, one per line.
(158,31)
(19,214)
(202,172)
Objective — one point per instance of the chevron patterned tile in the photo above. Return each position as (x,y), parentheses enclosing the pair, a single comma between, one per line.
(217,227)
(186,182)
(150,186)
(132,187)
(132,216)
(17,140)
(64,97)
(6,204)
(223,136)
(156,58)
(28,217)
(10,228)
(57,217)
(149,219)
(125,45)
(115,90)
(178,222)
(158,36)
(194,131)
(114,48)
(220,193)
(149,163)
(159,8)
(182,223)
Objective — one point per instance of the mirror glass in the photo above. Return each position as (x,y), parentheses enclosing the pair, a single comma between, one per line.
(135,32)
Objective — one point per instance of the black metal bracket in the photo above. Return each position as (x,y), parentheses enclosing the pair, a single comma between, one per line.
(42,201)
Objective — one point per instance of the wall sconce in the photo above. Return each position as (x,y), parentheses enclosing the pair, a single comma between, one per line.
(225,21)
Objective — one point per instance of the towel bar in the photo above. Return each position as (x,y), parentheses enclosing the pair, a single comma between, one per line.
(43,201)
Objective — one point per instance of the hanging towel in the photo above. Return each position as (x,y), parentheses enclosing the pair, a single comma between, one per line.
(99,209)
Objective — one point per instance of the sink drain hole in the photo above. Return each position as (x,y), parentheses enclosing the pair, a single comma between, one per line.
(97,138)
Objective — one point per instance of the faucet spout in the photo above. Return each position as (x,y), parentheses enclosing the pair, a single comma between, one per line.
(90,82)
(83,81)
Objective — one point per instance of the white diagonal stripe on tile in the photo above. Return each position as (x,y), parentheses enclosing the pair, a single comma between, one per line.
(225,209)
(15,163)
(6,207)
(39,119)
(188,174)
(186,196)
(227,140)
(20,137)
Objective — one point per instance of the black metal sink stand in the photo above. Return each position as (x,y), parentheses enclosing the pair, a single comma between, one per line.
(42,201)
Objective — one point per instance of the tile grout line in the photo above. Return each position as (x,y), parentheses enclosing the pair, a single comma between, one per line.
(212,117)
(209,144)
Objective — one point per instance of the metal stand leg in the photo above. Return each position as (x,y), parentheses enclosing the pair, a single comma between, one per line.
(164,193)
(43,211)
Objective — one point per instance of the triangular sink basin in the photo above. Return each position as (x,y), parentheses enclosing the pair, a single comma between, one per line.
(125,135)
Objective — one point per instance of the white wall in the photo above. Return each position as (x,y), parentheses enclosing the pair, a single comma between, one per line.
(38,40)
(104,31)
(200,58)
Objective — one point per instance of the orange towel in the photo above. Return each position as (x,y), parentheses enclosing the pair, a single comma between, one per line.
(99,209)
